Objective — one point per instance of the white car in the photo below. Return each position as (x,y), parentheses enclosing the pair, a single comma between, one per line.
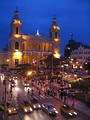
(49,108)
(26,84)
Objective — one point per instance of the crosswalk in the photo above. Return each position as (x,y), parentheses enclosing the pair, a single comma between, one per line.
(43,97)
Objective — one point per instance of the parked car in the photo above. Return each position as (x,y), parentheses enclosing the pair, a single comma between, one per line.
(26,106)
(13,84)
(49,108)
(66,109)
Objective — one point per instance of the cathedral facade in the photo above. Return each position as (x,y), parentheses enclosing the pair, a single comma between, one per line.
(30,48)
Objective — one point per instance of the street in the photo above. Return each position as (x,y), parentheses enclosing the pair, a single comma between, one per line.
(19,89)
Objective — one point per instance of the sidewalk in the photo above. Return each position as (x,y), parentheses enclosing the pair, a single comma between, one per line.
(83,108)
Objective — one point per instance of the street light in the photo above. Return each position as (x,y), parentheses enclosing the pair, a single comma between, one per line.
(29,73)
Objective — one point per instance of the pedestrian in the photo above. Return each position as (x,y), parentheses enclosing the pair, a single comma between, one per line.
(28,91)
(32,92)
(39,92)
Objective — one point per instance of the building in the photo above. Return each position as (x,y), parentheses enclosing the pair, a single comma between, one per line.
(29,48)
(81,54)
(72,45)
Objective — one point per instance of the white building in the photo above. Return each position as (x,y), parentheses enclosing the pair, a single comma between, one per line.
(82,54)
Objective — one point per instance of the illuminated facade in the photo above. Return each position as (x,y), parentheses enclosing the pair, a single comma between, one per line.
(31,48)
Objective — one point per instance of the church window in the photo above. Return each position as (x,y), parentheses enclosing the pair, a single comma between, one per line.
(56,35)
(44,48)
(16,45)
(39,47)
(50,34)
(16,61)
(16,30)
(10,45)
(34,47)
(23,47)
(28,47)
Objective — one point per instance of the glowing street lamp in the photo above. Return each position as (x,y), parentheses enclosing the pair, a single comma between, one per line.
(56,55)
(29,73)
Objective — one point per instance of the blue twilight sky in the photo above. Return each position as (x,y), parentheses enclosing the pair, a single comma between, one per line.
(72,16)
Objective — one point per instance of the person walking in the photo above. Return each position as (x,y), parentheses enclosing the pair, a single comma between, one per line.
(39,92)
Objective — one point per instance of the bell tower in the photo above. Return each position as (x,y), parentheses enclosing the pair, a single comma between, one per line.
(55,36)
(16,25)
(16,40)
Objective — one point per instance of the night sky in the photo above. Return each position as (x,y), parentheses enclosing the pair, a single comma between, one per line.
(72,16)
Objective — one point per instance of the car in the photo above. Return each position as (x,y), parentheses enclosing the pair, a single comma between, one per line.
(49,108)
(26,106)
(10,108)
(68,110)
(13,84)
(34,103)
(26,84)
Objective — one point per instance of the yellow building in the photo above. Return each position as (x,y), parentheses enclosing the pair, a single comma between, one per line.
(30,48)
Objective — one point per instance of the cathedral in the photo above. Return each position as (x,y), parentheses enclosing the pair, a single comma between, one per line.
(30,48)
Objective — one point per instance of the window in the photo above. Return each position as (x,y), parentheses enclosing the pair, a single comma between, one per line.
(39,47)
(16,30)
(28,46)
(44,48)
(55,34)
(16,45)
(50,34)
(16,61)
(34,47)
(23,47)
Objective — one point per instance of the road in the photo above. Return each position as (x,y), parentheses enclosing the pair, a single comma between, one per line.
(37,114)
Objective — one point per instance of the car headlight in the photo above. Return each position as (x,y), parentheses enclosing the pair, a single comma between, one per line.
(43,106)
(9,111)
(39,105)
(14,109)
(31,109)
(70,114)
(56,111)
(50,112)
(25,110)
(34,106)
(75,113)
